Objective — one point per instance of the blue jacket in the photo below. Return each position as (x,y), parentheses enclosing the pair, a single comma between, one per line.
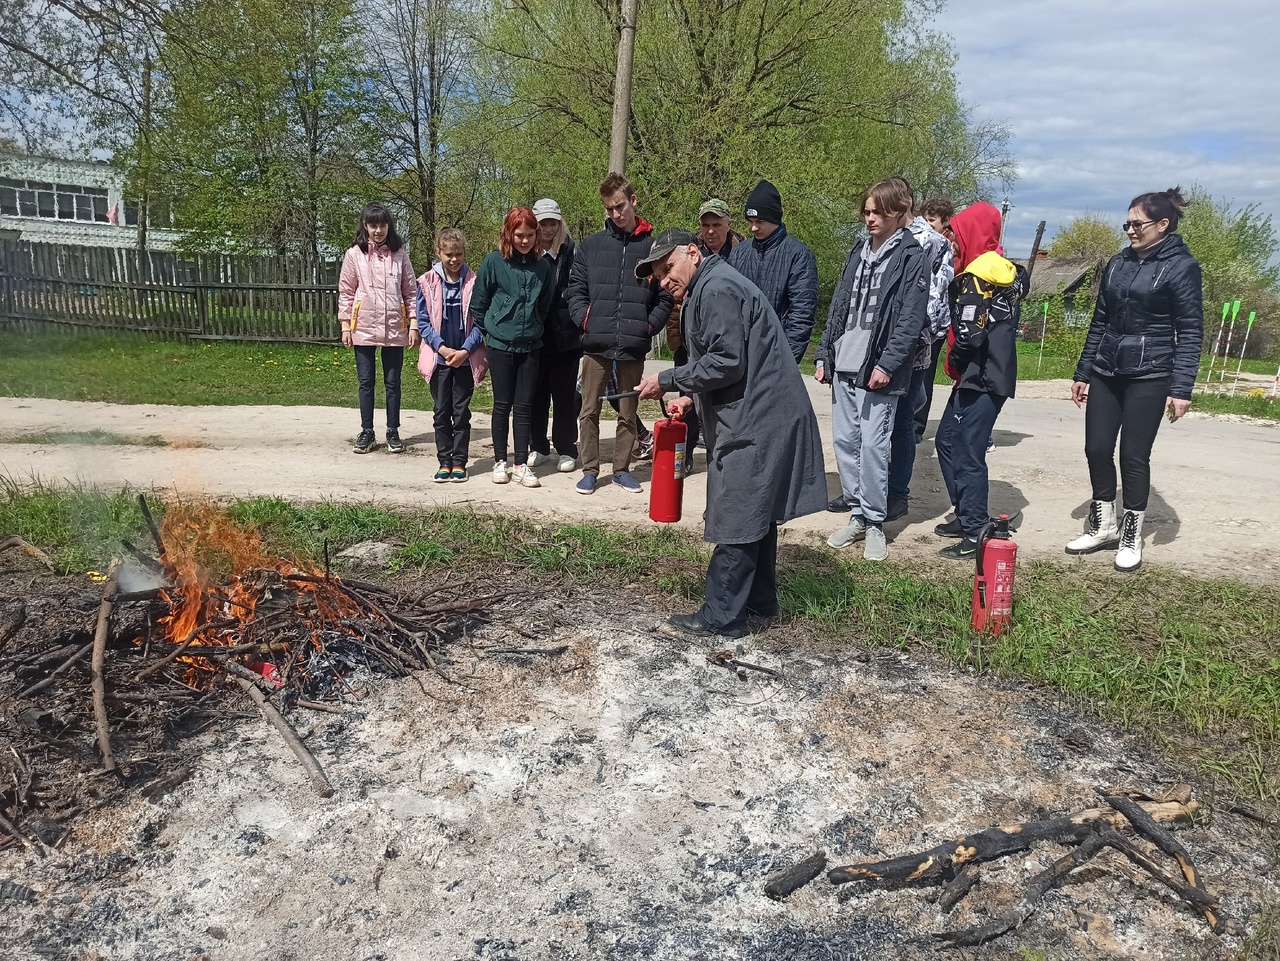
(786,272)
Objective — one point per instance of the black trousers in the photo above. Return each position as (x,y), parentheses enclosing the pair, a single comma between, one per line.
(922,412)
(451,390)
(961,443)
(1131,410)
(513,378)
(742,579)
(367,374)
(557,393)
(691,419)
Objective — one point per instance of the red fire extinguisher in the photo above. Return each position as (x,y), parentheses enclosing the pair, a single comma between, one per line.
(993,578)
(666,490)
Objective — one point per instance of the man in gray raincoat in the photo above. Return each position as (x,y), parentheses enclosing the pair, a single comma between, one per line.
(764,455)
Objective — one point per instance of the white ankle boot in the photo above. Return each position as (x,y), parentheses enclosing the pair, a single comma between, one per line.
(1101,531)
(1129,556)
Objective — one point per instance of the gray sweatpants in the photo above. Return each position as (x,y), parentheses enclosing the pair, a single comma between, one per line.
(862,425)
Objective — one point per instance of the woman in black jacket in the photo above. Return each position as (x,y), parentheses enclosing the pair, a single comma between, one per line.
(1140,358)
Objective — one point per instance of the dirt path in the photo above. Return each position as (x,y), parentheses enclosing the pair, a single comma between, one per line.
(1215,501)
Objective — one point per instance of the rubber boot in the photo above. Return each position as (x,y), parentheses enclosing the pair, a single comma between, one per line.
(1129,556)
(1101,531)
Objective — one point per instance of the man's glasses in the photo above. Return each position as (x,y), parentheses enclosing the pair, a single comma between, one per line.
(1135,225)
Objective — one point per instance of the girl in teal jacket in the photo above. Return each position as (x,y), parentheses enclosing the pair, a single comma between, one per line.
(510,302)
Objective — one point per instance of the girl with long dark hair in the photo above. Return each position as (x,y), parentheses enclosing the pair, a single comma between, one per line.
(1139,360)
(376,294)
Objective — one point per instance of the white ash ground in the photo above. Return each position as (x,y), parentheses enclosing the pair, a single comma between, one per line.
(624,799)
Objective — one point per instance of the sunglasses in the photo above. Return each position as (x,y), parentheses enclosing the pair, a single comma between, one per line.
(1135,225)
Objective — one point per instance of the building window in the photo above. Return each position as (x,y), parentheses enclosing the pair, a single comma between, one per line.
(48,201)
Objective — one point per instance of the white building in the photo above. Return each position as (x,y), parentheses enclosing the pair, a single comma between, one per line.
(47,200)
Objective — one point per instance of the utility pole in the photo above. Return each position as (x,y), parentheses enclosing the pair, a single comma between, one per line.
(144,187)
(622,88)
(1004,218)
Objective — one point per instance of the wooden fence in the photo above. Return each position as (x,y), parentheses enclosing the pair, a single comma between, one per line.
(201,297)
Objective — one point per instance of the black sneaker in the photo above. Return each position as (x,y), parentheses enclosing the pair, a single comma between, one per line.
(394,444)
(965,549)
(897,508)
(692,624)
(840,505)
(365,442)
(951,528)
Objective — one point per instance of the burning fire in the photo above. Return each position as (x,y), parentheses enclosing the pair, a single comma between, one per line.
(226,590)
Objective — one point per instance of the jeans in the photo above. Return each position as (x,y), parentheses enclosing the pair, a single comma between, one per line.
(961,443)
(451,390)
(922,411)
(367,374)
(513,377)
(742,579)
(861,427)
(902,447)
(556,392)
(1131,410)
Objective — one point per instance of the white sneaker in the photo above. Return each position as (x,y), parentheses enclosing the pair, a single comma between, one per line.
(525,477)
(848,535)
(500,472)
(534,458)
(875,549)
(567,464)
(1129,556)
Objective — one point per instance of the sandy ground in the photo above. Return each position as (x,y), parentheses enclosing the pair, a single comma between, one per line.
(1215,504)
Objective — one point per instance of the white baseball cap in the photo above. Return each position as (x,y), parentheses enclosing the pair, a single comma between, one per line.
(547,209)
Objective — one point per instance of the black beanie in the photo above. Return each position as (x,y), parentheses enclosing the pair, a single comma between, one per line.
(765,203)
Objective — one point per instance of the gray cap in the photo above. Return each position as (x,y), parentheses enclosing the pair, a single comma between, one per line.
(663,244)
(547,209)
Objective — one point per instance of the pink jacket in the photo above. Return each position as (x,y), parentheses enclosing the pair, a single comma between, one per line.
(375,296)
(430,310)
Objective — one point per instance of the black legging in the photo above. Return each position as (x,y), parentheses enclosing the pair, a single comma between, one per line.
(557,388)
(1130,409)
(513,378)
(367,375)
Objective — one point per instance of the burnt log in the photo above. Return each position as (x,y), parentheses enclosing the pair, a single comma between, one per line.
(1036,889)
(943,861)
(781,884)
(16,541)
(97,680)
(958,887)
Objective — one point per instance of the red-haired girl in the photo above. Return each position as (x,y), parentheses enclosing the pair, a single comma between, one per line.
(511,298)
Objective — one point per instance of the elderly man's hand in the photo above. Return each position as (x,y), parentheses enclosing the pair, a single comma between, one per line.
(649,389)
(681,406)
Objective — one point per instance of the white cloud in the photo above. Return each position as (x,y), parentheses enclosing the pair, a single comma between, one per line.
(1111,98)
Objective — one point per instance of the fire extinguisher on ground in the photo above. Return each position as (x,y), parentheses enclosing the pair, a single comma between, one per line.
(992,608)
(666,490)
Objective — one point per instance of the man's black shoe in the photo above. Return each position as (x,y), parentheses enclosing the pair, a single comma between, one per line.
(897,508)
(839,505)
(951,528)
(394,444)
(365,442)
(692,624)
(965,549)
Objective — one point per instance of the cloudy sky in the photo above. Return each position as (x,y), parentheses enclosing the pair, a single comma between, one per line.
(1111,98)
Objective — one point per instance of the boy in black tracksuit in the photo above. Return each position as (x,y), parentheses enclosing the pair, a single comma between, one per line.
(982,359)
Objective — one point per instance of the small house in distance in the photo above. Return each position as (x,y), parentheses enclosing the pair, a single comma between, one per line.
(1070,284)
(80,202)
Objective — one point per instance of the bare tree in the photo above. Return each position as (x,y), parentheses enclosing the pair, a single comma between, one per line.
(421,54)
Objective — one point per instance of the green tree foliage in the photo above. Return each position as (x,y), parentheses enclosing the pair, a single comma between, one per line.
(1088,235)
(260,131)
(823,97)
(1236,248)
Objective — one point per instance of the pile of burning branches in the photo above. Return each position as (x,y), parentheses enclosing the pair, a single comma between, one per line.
(218,614)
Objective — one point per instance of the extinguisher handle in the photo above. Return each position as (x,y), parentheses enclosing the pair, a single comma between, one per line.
(673,413)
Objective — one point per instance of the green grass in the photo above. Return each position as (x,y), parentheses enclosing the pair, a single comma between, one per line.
(91,438)
(1194,664)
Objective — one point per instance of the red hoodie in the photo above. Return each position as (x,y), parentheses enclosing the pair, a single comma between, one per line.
(977,231)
